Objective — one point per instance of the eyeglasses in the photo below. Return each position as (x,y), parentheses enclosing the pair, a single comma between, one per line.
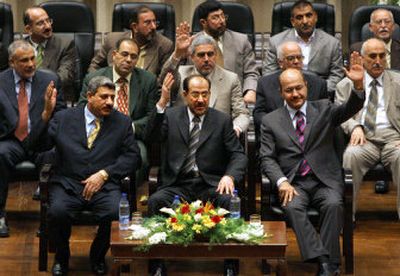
(217,17)
(384,21)
(196,95)
(292,58)
(203,54)
(44,21)
(133,56)
(149,22)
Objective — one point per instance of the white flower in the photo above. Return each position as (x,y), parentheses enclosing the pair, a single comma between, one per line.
(138,232)
(158,238)
(197,217)
(222,212)
(255,230)
(239,236)
(168,211)
(196,204)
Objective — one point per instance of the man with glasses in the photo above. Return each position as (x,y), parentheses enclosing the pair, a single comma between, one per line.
(382,24)
(226,90)
(53,52)
(235,52)
(268,88)
(322,52)
(136,91)
(154,47)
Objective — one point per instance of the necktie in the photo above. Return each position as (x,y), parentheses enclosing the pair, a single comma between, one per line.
(122,100)
(220,55)
(370,115)
(93,134)
(190,159)
(304,168)
(39,56)
(21,132)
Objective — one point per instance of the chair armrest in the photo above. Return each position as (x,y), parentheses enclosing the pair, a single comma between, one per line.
(44,179)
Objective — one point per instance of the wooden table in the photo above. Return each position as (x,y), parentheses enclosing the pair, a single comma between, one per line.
(123,251)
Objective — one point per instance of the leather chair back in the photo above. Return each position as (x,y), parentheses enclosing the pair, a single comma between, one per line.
(165,14)
(240,19)
(6,25)
(281,17)
(358,27)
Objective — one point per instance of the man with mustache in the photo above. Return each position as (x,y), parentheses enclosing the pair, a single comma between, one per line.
(95,149)
(234,49)
(375,130)
(154,47)
(381,24)
(322,52)
(226,91)
(54,52)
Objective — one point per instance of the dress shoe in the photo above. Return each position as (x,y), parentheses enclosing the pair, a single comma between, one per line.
(4,231)
(327,269)
(99,268)
(381,187)
(36,194)
(59,269)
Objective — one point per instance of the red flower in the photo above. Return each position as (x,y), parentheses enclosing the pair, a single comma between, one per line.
(185,209)
(174,220)
(200,210)
(216,219)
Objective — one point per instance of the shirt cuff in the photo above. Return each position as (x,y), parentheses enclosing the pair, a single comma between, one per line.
(281,180)
(238,127)
(160,109)
(133,128)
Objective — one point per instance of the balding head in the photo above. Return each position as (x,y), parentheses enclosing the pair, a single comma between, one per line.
(293,88)
(374,56)
(290,55)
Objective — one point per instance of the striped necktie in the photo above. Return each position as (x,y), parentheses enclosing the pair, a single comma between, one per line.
(370,115)
(93,134)
(190,159)
(304,168)
(21,132)
(122,98)
(39,55)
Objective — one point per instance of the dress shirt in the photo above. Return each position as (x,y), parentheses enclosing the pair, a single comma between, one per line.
(305,47)
(90,119)
(382,120)
(28,89)
(36,45)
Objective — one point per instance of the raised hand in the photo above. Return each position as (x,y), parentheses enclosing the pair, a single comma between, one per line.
(166,90)
(50,99)
(182,41)
(356,70)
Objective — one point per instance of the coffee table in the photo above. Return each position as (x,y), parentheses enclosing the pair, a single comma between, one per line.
(123,251)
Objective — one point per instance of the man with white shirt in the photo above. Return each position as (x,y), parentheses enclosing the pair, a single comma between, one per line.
(136,90)
(375,130)
(322,52)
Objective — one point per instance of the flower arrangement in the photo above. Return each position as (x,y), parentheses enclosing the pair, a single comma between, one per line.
(195,222)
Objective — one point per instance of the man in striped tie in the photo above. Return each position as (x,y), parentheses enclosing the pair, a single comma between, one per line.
(297,154)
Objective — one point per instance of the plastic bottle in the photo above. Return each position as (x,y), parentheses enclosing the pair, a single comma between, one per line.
(124,211)
(234,207)
(176,202)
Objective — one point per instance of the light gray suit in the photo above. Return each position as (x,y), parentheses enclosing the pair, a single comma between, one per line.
(226,91)
(381,145)
(325,55)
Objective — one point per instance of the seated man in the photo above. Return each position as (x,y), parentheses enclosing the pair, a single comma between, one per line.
(22,90)
(202,157)
(297,154)
(226,91)
(95,149)
(268,88)
(375,130)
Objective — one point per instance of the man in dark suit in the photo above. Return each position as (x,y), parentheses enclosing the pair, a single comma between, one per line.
(95,149)
(136,90)
(3,57)
(205,166)
(56,53)
(297,154)
(22,100)
(154,47)
(382,26)
(268,88)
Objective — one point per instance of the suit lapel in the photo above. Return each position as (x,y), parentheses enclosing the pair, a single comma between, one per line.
(315,46)
(183,124)
(287,124)
(48,53)
(216,79)
(134,90)
(388,90)
(150,56)
(311,114)
(206,129)
(9,89)
(36,94)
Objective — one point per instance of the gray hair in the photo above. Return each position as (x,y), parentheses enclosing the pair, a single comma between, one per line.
(380,9)
(100,81)
(19,44)
(279,51)
(364,45)
(202,39)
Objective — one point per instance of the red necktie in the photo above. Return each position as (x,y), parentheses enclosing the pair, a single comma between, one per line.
(122,100)
(21,132)
(304,168)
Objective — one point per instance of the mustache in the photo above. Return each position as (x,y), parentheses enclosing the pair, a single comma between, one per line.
(377,66)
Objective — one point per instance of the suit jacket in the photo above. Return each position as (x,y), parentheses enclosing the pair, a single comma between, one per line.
(281,153)
(114,149)
(391,88)
(59,56)
(160,48)
(226,92)
(9,114)
(269,95)
(143,95)
(394,52)
(219,153)
(325,55)
(3,57)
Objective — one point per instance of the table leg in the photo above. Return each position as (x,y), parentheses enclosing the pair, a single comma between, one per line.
(115,268)
(281,269)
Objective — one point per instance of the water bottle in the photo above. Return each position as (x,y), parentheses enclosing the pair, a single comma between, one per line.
(124,212)
(176,202)
(234,207)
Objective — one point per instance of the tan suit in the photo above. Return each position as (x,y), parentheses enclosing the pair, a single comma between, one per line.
(156,54)
(226,91)
(380,146)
